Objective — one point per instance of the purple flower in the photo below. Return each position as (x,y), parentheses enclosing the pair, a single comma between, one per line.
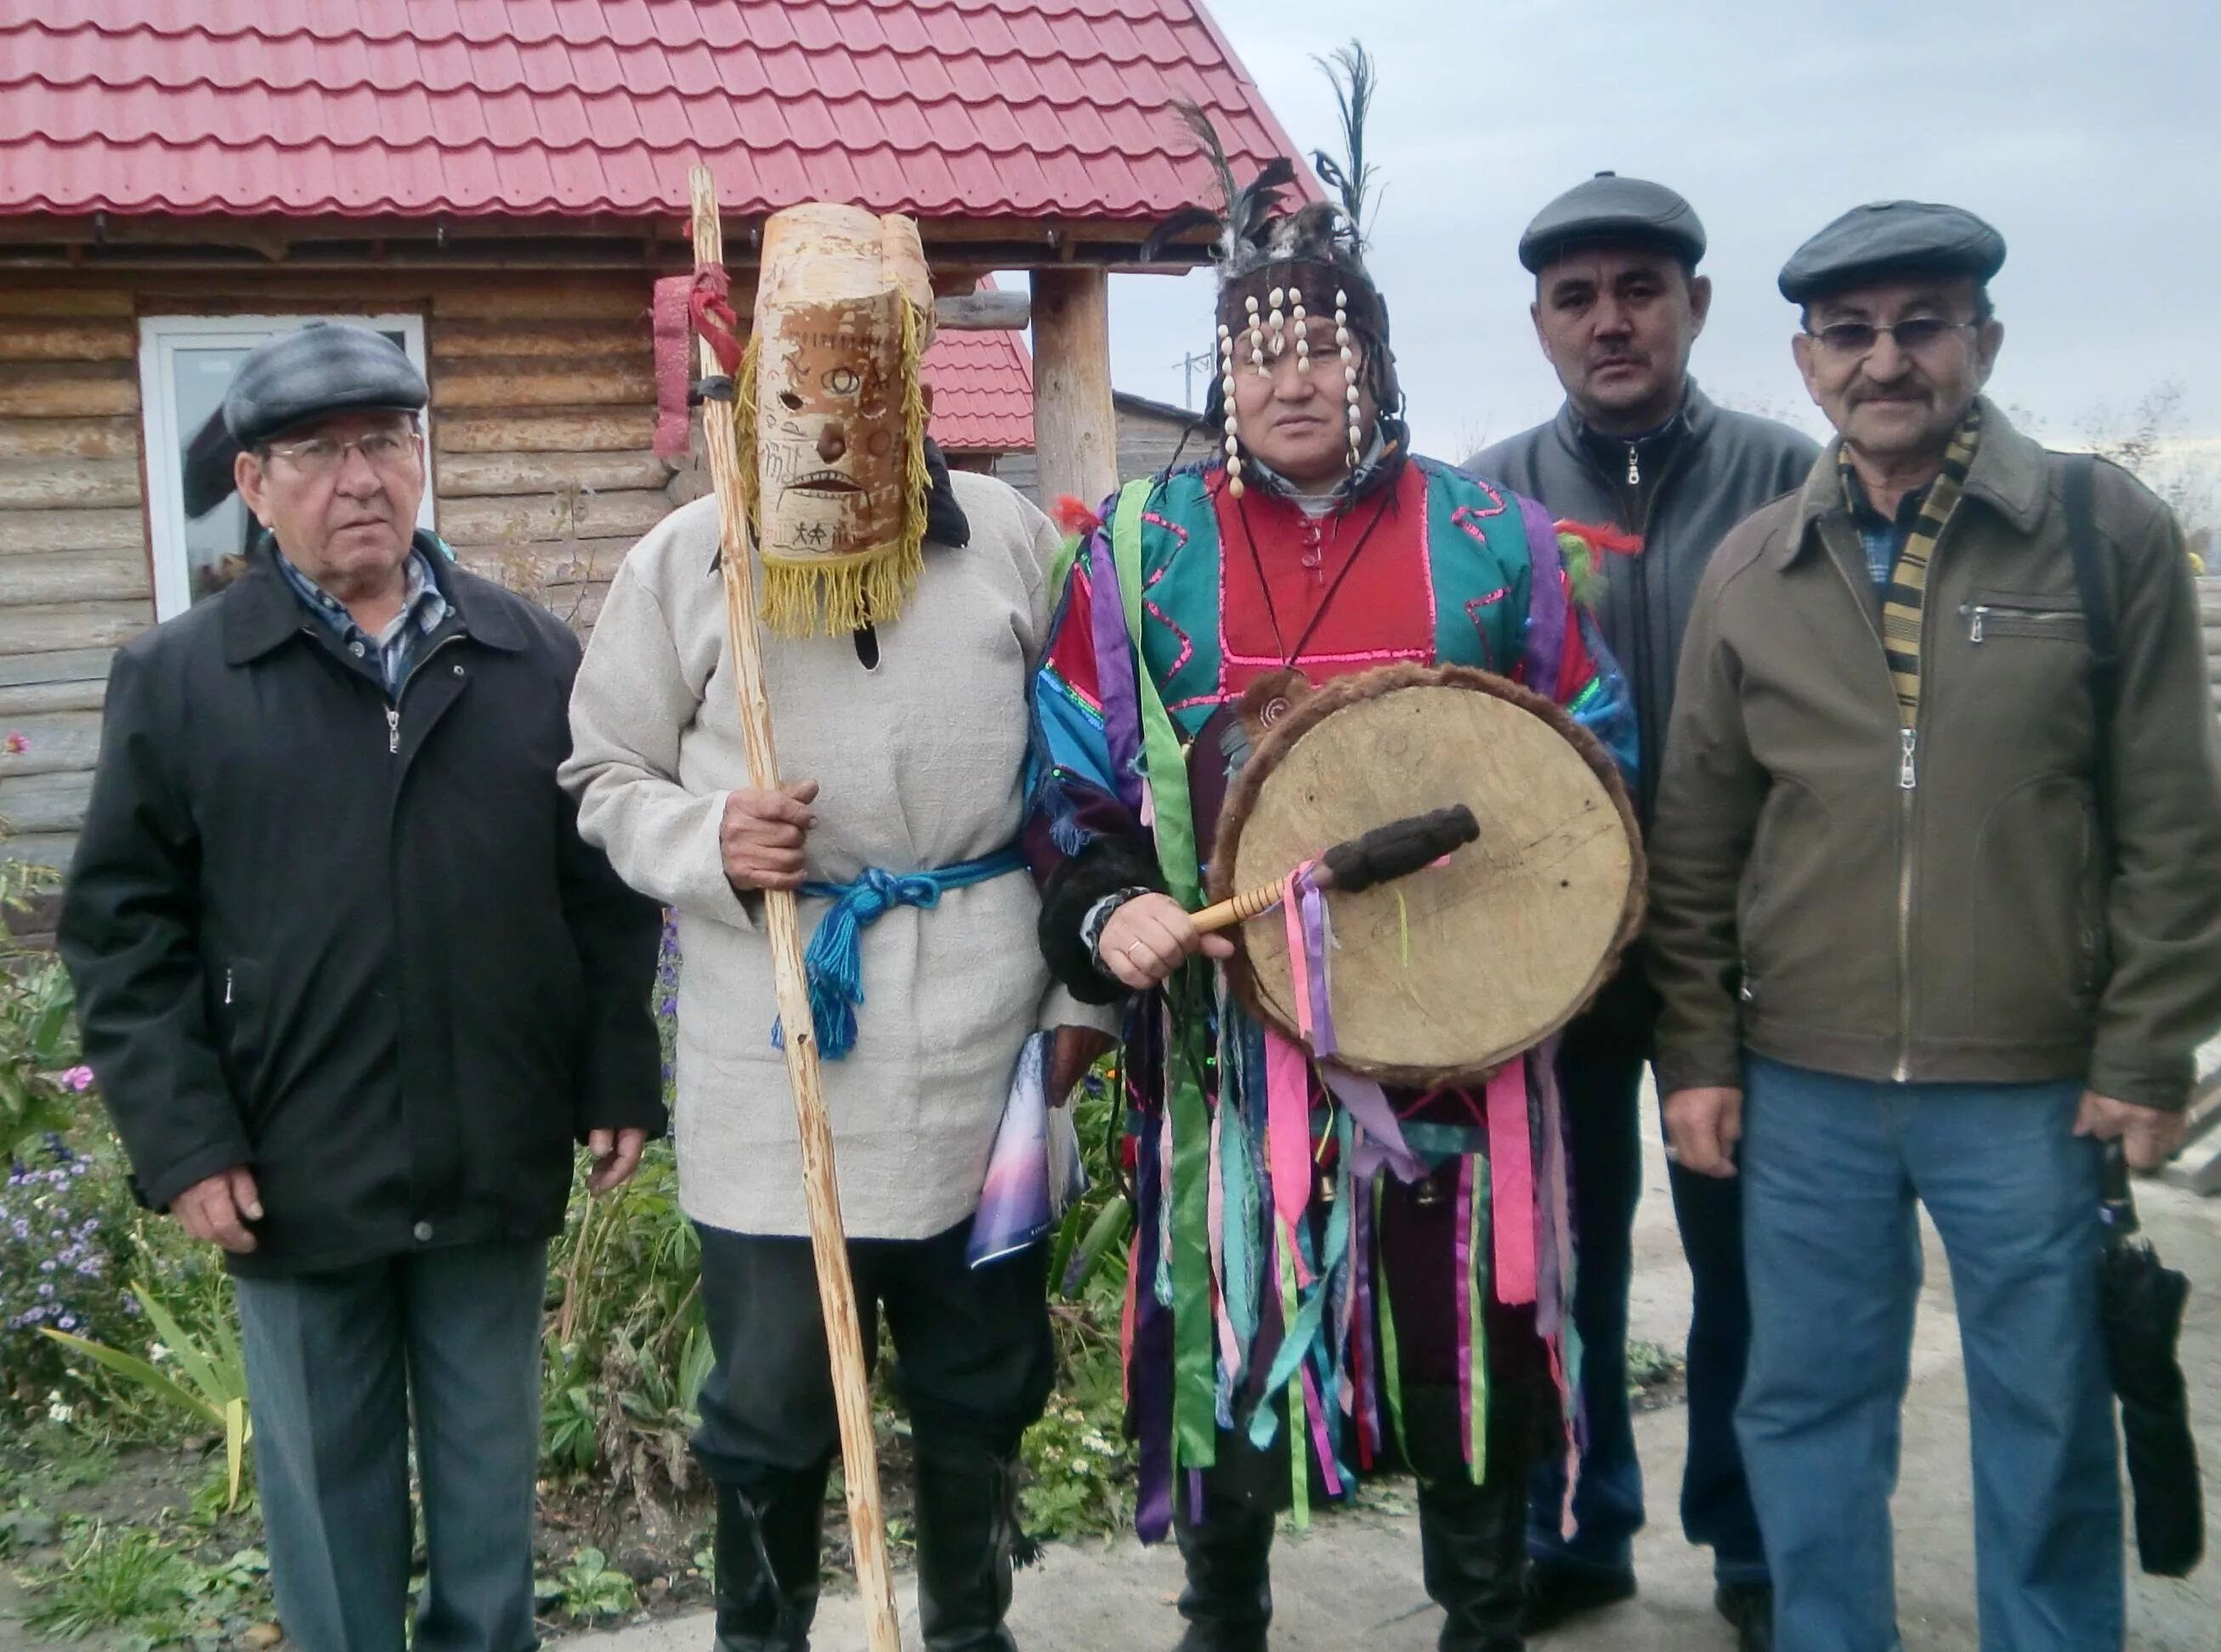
(79,1078)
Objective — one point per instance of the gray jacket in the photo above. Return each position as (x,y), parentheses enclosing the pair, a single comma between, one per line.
(1682,489)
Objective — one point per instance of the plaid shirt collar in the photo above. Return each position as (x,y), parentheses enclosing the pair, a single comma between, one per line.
(423,609)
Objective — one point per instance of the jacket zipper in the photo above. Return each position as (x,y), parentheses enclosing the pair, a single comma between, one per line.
(393,710)
(1908,780)
(1634,468)
(226,986)
(1976,613)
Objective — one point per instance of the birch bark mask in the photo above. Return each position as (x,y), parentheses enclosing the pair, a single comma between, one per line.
(833,460)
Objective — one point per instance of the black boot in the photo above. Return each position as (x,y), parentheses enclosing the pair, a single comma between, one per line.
(1472,1539)
(769,1536)
(969,1539)
(1228,1602)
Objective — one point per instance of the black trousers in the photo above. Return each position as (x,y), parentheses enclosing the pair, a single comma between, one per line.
(974,1360)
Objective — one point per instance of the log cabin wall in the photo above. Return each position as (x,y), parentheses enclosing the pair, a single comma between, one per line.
(542,418)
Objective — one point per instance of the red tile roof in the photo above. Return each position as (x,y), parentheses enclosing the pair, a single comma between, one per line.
(983,392)
(979,108)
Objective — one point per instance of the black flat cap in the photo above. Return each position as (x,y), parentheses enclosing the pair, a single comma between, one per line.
(324,367)
(1610,208)
(1892,239)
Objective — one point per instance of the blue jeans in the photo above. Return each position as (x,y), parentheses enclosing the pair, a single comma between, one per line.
(1831,1168)
(1603,1089)
(334,1361)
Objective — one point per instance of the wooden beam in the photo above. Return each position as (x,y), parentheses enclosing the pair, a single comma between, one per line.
(529,430)
(64,390)
(48,484)
(54,742)
(44,803)
(76,339)
(107,438)
(456,340)
(1075,425)
(41,533)
(525,518)
(63,301)
(468,476)
(70,627)
(985,312)
(76,576)
(535,381)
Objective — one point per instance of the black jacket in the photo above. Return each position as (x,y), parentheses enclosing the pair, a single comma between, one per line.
(375,963)
(1682,489)
(1694,479)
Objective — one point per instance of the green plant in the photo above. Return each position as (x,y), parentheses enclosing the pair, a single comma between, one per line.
(39,1079)
(213,1388)
(131,1579)
(588,1587)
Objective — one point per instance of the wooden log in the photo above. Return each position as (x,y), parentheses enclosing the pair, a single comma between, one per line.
(525,518)
(1075,426)
(44,803)
(534,570)
(30,698)
(570,381)
(108,438)
(998,311)
(36,533)
(836,1290)
(67,390)
(65,301)
(54,742)
(77,339)
(622,298)
(69,626)
(48,484)
(464,340)
(40,849)
(474,476)
(75,665)
(78,576)
(511,429)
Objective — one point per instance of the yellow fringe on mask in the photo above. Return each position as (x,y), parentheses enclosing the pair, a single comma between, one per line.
(835,596)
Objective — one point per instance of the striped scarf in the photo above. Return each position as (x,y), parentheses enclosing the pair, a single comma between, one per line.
(1908,578)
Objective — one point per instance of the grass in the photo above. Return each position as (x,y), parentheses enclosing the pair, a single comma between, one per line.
(108,1578)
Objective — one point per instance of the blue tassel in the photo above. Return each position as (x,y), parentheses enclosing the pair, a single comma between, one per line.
(834,965)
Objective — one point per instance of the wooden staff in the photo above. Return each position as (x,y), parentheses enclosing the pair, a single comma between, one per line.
(836,1290)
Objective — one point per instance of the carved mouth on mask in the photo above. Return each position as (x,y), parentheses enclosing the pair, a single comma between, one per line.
(824,485)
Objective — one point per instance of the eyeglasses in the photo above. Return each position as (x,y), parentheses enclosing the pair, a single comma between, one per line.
(1854,341)
(388,451)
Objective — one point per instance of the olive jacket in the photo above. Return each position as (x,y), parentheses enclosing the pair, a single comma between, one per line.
(1953,902)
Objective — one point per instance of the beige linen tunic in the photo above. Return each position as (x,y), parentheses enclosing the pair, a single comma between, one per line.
(919,762)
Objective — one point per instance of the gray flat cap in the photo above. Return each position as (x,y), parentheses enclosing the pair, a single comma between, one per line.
(1893,238)
(1610,208)
(324,367)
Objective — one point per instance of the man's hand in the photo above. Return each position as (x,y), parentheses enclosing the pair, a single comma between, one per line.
(616,1155)
(1074,1050)
(217,1210)
(760,836)
(2148,1136)
(1149,937)
(1702,1128)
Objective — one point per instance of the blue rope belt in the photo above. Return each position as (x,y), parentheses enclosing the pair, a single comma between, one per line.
(834,965)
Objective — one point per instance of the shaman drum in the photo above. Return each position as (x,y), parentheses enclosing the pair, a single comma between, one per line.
(1437,978)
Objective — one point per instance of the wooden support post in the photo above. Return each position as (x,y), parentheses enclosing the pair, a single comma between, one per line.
(836,1289)
(1075,426)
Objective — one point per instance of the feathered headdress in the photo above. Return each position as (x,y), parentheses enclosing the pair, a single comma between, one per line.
(1277,268)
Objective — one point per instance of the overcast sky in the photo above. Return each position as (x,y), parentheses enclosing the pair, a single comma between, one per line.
(2088,131)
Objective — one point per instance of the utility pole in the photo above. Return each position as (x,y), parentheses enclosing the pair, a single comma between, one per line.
(1188,365)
